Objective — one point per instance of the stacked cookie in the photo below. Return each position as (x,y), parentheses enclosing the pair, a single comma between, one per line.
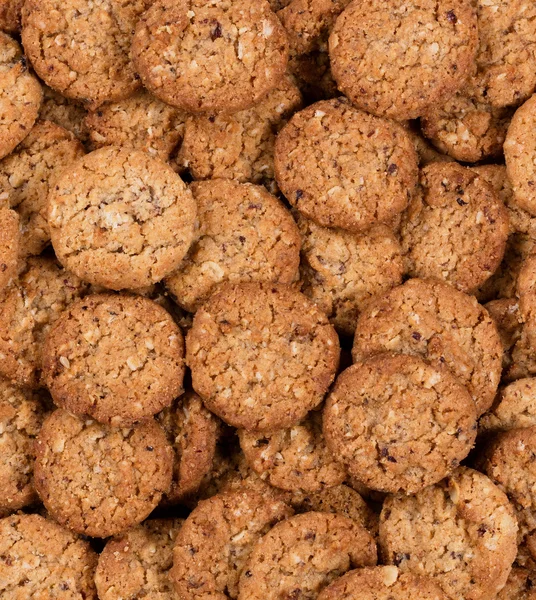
(267,299)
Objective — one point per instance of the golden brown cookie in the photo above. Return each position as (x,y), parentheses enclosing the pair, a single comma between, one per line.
(455,229)
(344,168)
(396,60)
(262,356)
(244,234)
(121,219)
(117,358)
(21,95)
(10,13)
(9,245)
(506,316)
(461,532)
(82,49)
(64,112)
(210,56)
(98,480)
(30,172)
(42,561)
(448,328)
(521,585)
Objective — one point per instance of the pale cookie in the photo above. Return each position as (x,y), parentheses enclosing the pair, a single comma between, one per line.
(64,112)
(10,13)
(262,356)
(521,585)
(239,146)
(82,49)
(9,245)
(216,540)
(446,327)
(210,56)
(137,564)
(455,229)
(396,60)
(245,234)
(121,219)
(304,554)
(293,459)
(399,424)
(29,306)
(344,168)
(98,480)
(382,583)
(506,316)
(117,358)
(20,96)
(461,532)
(141,122)
(342,271)
(30,172)
(192,432)
(21,414)
(43,561)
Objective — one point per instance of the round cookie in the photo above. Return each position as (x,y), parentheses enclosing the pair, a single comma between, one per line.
(21,95)
(342,271)
(239,146)
(21,414)
(448,328)
(455,229)
(398,61)
(41,560)
(9,245)
(141,122)
(10,13)
(461,532)
(210,57)
(245,234)
(29,306)
(121,219)
(137,564)
(82,49)
(98,480)
(304,554)
(514,408)
(382,583)
(192,432)
(293,459)
(521,585)
(505,313)
(399,424)
(520,155)
(344,168)
(30,172)
(117,358)
(262,356)
(216,539)
(64,112)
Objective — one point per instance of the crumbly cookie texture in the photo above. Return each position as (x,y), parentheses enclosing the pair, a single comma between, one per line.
(21,415)
(526,288)
(42,560)
(216,540)
(523,355)
(137,564)
(217,56)
(344,168)
(64,112)
(20,95)
(304,554)
(239,146)
(262,356)
(9,245)
(397,61)
(244,234)
(193,432)
(30,172)
(399,424)
(462,532)
(382,583)
(141,121)
(521,585)
(121,219)
(116,358)
(448,328)
(293,459)
(82,49)
(507,317)
(343,271)
(29,306)
(10,14)
(98,480)
(455,228)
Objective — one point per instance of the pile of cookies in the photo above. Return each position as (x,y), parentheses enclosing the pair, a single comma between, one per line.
(267,299)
